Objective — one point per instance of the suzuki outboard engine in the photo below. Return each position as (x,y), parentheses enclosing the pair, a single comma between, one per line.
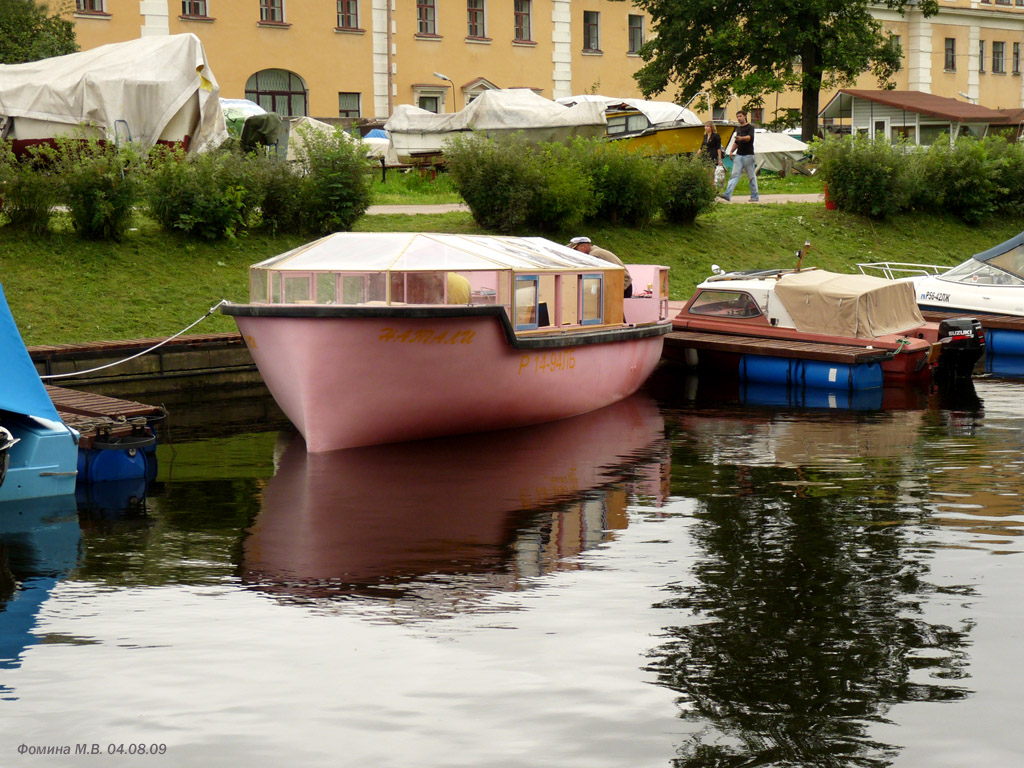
(963,344)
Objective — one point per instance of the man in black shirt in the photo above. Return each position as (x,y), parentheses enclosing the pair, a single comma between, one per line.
(742,158)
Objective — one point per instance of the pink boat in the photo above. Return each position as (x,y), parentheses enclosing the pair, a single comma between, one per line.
(370,338)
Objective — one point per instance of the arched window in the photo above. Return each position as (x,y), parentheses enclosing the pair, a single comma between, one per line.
(280,91)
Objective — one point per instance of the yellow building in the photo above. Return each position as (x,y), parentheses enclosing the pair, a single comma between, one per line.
(360,58)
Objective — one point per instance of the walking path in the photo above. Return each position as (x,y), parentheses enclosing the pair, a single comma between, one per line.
(814,197)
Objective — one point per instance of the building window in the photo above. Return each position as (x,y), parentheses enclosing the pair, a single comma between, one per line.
(348,14)
(475,19)
(636,33)
(429,103)
(897,48)
(193,8)
(981,55)
(278,90)
(426,17)
(523,27)
(89,6)
(348,105)
(1002,2)
(718,114)
(1016,58)
(272,10)
(757,115)
(998,58)
(591,31)
(951,54)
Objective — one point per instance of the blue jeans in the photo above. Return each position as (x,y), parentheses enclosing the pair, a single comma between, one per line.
(742,163)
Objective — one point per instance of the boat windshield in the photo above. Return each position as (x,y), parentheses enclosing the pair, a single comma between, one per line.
(724,304)
(1005,269)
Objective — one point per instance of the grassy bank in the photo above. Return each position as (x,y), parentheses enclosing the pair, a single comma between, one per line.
(62,289)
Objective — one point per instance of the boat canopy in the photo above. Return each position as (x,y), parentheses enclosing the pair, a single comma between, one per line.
(428,252)
(144,83)
(22,391)
(508,110)
(1008,255)
(848,305)
(656,112)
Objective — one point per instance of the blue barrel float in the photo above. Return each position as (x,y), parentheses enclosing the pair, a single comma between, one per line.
(1004,353)
(125,457)
(811,374)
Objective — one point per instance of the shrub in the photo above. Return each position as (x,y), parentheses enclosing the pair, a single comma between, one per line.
(626,183)
(28,188)
(512,186)
(1007,170)
(279,188)
(863,176)
(335,187)
(966,177)
(202,194)
(687,188)
(99,184)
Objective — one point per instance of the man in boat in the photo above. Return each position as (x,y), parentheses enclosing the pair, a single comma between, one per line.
(584,245)
(742,158)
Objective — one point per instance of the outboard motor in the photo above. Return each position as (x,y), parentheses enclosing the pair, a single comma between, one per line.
(963,344)
(7,441)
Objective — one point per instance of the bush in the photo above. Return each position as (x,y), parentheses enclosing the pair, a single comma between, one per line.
(335,186)
(626,183)
(29,188)
(203,194)
(1007,172)
(687,188)
(99,184)
(279,189)
(966,177)
(513,186)
(863,176)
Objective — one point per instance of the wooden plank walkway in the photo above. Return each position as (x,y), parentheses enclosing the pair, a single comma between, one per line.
(96,416)
(755,345)
(1001,322)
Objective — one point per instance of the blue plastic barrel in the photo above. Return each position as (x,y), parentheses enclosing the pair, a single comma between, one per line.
(767,370)
(835,376)
(1000,341)
(1004,365)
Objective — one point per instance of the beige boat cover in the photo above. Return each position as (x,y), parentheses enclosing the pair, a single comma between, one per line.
(145,82)
(848,305)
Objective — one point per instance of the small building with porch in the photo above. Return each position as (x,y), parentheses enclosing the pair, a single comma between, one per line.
(918,117)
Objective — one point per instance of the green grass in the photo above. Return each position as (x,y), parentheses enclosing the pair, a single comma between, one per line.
(413,187)
(62,289)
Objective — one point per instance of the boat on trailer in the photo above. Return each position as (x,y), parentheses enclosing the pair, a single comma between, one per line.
(814,328)
(989,285)
(370,338)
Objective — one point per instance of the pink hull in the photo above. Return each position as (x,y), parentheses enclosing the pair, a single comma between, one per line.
(347,382)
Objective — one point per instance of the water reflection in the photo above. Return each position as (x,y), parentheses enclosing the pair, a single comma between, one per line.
(39,545)
(810,596)
(469,513)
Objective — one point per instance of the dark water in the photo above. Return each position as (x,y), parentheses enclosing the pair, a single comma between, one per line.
(675,580)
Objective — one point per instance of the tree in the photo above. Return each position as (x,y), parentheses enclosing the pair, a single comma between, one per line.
(753,47)
(29,33)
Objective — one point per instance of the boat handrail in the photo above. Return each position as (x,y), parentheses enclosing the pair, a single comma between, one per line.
(755,274)
(892,270)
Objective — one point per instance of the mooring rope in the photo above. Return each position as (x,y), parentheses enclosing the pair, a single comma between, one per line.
(209,312)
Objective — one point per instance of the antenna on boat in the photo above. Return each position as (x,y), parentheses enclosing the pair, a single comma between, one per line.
(801,253)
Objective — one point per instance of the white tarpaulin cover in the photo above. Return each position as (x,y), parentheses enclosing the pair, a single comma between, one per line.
(655,111)
(771,150)
(145,82)
(380,251)
(509,109)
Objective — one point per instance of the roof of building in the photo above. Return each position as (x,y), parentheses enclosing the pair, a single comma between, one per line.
(940,107)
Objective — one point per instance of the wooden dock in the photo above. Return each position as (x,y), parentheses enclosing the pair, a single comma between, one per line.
(677,342)
(102,418)
(998,322)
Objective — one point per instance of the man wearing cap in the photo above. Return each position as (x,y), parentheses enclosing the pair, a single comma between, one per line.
(583,245)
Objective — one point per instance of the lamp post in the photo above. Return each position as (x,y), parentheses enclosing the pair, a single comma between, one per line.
(448,80)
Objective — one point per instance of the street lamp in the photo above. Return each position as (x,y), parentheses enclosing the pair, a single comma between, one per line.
(447,79)
(961,93)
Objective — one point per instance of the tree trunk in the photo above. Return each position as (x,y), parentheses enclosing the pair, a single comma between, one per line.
(810,64)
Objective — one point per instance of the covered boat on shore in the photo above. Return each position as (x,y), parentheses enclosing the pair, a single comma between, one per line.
(154,90)
(810,327)
(370,338)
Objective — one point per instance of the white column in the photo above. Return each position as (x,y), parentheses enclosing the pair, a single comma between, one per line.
(919,53)
(973,78)
(383,52)
(155,17)
(561,49)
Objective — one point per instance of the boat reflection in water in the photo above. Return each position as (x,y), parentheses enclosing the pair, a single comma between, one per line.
(477,511)
(40,542)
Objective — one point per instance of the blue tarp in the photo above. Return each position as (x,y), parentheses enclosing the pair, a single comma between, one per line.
(21,389)
(376,133)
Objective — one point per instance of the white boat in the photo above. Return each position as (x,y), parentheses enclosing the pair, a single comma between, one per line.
(150,90)
(990,282)
(369,338)
(418,134)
